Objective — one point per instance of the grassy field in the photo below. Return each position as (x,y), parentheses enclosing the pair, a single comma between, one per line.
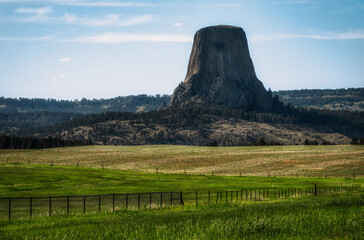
(22,180)
(335,216)
(323,217)
(336,161)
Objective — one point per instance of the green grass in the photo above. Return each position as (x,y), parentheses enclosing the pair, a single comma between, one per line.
(323,217)
(18,180)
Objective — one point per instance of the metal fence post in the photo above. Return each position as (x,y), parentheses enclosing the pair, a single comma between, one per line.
(68,204)
(138,200)
(196,199)
(99,203)
(113,202)
(315,190)
(30,207)
(9,208)
(161,199)
(181,200)
(50,206)
(126,201)
(150,200)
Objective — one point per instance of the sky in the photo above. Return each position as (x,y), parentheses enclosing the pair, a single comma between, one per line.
(73,49)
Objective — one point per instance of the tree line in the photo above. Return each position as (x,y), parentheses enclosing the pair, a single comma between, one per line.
(16,142)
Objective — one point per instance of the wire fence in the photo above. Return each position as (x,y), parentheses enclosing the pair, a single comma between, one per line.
(12,208)
(15,208)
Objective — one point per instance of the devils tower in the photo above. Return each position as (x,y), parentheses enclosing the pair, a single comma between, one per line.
(221,72)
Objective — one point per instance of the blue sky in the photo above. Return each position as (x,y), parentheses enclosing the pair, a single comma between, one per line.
(70,49)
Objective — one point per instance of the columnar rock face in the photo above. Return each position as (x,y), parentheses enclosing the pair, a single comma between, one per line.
(221,72)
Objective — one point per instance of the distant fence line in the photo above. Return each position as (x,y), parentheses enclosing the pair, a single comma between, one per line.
(12,208)
(186,172)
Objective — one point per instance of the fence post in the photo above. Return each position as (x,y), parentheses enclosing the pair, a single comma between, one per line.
(84,204)
(196,199)
(126,200)
(150,200)
(209,197)
(315,193)
(50,206)
(161,199)
(113,202)
(9,208)
(354,175)
(138,200)
(240,173)
(31,206)
(241,195)
(212,173)
(157,170)
(181,200)
(185,171)
(226,197)
(99,203)
(77,163)
(171,199)
(68,205)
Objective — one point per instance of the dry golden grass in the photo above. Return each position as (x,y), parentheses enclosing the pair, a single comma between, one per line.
(339,161)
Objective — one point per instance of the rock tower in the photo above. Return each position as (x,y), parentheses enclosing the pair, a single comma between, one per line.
(221,72)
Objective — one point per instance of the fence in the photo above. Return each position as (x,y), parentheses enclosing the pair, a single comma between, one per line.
(11,208)
(262,194)
(47,206)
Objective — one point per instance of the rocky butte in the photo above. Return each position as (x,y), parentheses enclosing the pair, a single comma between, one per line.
(221,72)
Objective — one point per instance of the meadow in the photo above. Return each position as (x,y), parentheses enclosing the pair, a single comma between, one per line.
(335,161)
(322,217)
(54,172)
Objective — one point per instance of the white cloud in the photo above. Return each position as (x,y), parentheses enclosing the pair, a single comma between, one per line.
(107,20)
(37,14)
(178,24)
(37,11)
(350,35)
(65,59)
(54,77)
(26,39)
(117,37)
(62,75)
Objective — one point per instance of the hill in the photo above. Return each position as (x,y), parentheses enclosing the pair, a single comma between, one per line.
(351,99)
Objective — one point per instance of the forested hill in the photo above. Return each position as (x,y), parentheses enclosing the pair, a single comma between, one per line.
(351,99)
(131,103)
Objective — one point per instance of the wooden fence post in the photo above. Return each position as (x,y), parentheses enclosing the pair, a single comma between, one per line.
(181,200)
(209,197)
(68,205)
(84,205)
(113,202)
